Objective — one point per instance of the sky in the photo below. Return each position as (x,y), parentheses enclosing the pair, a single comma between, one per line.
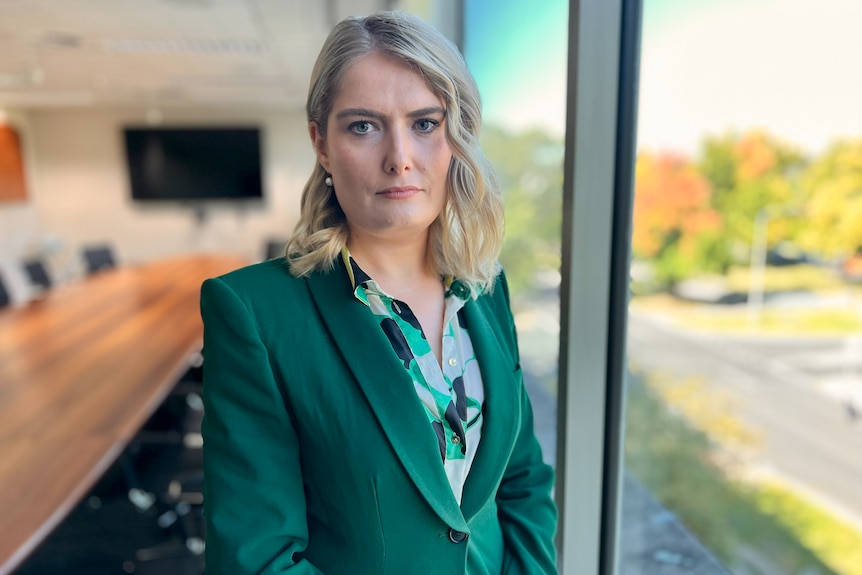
(518,57)
(790,67)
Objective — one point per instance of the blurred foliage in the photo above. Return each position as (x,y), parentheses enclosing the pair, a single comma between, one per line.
(530,168)
(683,467)
(713,409)
(749,174)
(697,216)
(836,542)
(673,222)
(833,202)
(692,217)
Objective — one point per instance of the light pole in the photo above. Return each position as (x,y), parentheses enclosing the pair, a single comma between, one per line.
(757,270)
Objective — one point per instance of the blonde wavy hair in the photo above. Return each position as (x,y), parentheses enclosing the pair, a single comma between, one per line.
(466,238)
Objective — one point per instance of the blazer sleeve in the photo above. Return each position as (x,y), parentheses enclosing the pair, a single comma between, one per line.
(527,512)
(254,501)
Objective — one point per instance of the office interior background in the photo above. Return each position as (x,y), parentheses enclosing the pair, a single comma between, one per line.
(684,238)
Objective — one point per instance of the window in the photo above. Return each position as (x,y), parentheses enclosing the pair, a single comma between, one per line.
(522,81)
(744,326)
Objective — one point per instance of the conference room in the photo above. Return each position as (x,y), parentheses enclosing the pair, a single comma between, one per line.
(101,265)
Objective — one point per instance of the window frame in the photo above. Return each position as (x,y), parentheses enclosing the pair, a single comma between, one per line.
(598,190)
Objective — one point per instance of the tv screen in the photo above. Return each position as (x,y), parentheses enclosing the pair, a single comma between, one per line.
(194,163)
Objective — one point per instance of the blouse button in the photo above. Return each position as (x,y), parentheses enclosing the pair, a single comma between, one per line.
(453,362)
(456,440)
(457,536)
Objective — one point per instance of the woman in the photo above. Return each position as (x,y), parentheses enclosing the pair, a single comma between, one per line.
(365,410)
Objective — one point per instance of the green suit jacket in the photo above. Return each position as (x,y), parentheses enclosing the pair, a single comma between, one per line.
(319,458)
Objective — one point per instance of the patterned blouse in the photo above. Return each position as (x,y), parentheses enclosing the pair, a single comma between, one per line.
(452,395)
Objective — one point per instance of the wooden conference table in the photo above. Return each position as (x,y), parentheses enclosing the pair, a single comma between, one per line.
(81,370)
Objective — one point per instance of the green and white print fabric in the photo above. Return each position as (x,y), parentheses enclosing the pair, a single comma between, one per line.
(452,394)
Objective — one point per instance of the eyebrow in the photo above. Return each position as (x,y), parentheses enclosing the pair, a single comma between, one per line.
(351,112)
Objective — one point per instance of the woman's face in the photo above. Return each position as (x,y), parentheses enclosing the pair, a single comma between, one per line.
(386,149)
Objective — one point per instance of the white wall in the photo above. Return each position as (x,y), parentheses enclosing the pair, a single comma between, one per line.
(79,190)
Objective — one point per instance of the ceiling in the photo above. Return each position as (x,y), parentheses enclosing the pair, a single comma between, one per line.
(164,53)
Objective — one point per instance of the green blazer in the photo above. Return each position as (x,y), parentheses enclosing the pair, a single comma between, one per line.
(318,456)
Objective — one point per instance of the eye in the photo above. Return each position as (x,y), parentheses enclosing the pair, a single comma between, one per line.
(426,125)
(361,127)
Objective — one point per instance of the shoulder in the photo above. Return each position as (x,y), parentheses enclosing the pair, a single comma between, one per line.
(495,305)
(259,285)
(267,299)
(497,295)
(266,284)
(255,276)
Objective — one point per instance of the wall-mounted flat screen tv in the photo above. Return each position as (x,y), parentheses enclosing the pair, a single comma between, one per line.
(194,164)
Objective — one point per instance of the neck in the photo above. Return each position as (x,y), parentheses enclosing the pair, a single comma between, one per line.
(399,267)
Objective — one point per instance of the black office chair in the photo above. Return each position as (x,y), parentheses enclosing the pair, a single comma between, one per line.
(169,466)
(165,475)
(5,299)
(97,258)
(37,273)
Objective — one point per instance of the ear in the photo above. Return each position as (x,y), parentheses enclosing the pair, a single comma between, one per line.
(319,143)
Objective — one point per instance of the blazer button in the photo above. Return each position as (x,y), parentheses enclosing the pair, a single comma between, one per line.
(457,536)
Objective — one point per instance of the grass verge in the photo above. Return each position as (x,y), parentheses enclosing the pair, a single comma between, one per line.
(838,543)
(750,527)
(738,319)
(834,309)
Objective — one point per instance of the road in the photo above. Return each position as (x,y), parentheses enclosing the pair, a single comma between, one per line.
(791,391)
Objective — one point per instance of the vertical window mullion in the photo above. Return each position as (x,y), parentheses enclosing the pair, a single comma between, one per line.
(588,412)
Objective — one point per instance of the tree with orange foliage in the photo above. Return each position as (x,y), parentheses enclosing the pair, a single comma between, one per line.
(674,224)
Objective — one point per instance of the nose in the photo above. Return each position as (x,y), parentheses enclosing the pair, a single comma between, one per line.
(397,158)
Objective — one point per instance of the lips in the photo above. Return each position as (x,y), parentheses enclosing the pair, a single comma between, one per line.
(401,192)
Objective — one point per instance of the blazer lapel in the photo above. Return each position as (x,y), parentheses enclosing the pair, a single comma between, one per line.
(499,378)
(388,388)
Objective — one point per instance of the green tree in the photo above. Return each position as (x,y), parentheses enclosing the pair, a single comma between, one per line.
(750,174)
(832,209)
(530,168)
